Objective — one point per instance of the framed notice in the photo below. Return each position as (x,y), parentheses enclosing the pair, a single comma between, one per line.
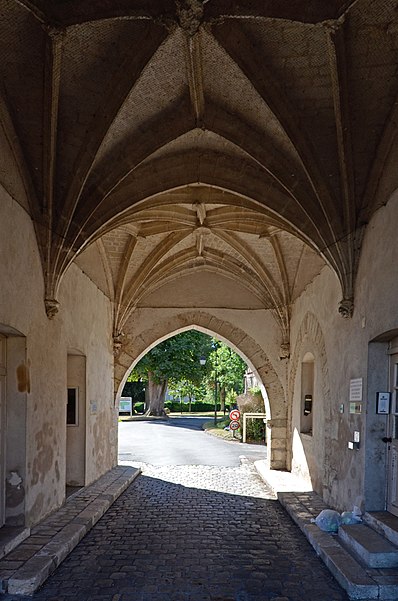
(383,402)
(356,390)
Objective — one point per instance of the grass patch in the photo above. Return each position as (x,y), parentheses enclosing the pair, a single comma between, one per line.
(219,429)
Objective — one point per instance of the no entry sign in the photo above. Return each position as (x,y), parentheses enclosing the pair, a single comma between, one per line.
(234,415)
(234,425)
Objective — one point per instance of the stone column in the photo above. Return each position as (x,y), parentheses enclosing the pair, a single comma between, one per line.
(276,434)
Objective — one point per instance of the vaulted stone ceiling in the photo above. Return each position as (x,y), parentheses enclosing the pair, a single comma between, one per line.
(246,140)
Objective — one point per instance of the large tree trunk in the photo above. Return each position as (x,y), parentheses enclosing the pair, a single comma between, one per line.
(157,394)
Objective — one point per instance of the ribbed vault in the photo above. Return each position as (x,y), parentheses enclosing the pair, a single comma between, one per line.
(157,141)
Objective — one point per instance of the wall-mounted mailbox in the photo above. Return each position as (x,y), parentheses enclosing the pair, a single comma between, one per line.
(307,404)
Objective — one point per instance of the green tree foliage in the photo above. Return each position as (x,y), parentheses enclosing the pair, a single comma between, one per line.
(187,389)
(227,371)
(134,389)
(176,359)
(175,364)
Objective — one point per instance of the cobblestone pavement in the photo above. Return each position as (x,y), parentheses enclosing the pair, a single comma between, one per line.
(193,533)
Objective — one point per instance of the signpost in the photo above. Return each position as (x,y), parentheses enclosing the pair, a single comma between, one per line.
(126,405)
(234,415)
(234,423)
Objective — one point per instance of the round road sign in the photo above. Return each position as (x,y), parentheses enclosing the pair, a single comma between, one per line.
(234,425)
(234,415)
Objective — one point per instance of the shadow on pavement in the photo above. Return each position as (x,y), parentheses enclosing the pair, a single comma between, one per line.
(166,542)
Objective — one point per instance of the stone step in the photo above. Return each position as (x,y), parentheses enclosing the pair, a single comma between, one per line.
(373,549)
(25,569)
(384,523)
(360,582)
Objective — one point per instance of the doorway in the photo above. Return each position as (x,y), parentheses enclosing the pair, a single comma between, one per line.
(392,479)
(2,426)
(76,423)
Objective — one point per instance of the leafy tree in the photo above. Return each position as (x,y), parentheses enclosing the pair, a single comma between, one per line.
(176,359)
(227,371)
(134,389)
(175,364)
(187,388)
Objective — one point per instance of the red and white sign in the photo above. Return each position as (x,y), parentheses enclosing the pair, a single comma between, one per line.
(234,415)
(234,425)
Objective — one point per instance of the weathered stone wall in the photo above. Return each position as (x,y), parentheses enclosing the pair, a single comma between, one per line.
(341,350)
(84,323)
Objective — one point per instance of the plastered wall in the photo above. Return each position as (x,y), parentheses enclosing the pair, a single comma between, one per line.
(344,350)
(84,323)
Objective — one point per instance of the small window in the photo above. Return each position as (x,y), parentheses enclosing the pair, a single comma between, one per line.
(307,393)
(72,407)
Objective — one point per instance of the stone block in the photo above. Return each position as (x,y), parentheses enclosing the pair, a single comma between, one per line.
(278,455)
(349,573)
(28,578)
(372,548)
(278,433)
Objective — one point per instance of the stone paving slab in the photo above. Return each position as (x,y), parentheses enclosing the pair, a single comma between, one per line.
(193,533)
(24,569)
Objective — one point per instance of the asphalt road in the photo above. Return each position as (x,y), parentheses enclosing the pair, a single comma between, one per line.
(180,441)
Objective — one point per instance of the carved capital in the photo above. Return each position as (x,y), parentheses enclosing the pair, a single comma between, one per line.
(346,308)
(52,307)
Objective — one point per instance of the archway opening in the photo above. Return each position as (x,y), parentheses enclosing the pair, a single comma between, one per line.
(137,343)
(193,382)
(212,359)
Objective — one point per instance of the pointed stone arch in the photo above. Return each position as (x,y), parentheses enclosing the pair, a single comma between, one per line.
(134,347)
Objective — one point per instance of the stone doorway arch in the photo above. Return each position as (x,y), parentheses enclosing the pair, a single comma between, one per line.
(134,346)
(310,339)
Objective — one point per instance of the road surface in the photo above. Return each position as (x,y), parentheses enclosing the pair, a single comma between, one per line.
(180,441)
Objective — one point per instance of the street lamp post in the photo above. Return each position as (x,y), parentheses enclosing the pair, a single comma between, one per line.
(215,382)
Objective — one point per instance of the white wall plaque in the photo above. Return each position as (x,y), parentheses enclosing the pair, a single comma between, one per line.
(383,402)
(356,390)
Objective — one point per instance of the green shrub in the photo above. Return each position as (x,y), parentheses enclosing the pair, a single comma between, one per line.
(196,406)
(255,430)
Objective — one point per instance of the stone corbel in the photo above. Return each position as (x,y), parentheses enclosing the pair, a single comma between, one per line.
(52,307)
(117,343)
(346,308)
(284,352)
